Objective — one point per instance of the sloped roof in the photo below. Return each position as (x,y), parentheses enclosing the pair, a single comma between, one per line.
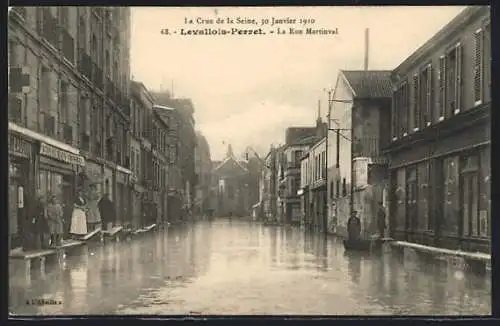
(230,166)
(295,134)
(369,83)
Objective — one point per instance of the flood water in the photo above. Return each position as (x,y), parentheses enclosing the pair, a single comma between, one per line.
(239,267)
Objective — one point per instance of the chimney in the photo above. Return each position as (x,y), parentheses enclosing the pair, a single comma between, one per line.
(367,47)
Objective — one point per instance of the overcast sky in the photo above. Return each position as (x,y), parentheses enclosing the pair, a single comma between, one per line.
(248,89)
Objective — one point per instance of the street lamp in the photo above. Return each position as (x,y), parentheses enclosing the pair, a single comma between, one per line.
(331,100)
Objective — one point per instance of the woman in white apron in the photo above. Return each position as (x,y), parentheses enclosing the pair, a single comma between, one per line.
(79,217)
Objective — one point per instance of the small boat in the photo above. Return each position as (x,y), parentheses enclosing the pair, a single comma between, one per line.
(362,245)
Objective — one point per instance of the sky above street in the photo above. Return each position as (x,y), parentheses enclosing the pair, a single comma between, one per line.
(248,89)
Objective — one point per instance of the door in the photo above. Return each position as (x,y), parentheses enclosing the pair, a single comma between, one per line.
(411,204)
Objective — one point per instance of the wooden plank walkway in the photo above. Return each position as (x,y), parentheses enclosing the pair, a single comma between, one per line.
(91,234)
(485,258)
(41,254)
(113,231)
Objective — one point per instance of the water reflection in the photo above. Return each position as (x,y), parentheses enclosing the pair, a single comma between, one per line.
(242,268)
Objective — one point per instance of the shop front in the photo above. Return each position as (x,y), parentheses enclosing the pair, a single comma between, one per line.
(20,182)
(57,172)
(136,195)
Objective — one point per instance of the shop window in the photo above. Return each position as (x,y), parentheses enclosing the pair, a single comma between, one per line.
(449,223)
(423,195)
(400,197)
(484,193)
(469,182)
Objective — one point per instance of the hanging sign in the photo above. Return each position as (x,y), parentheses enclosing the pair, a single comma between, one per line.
(19,146)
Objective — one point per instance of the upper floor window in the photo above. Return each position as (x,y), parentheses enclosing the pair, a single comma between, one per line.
(64,14)
(400,110)
(482,63)
(425,96)
(450,82)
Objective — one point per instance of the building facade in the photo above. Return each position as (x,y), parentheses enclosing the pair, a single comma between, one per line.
(203,169)
(175,183)
(231,179)
(68,103)
(269,185)
(298,142)
(186,143)
(441,144)
(364,112)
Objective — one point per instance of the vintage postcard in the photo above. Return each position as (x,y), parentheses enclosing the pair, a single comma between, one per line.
(203,161)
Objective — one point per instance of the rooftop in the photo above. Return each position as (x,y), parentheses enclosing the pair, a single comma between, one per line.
(369,83)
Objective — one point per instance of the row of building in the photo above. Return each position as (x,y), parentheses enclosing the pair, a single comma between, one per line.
(416,139)
(75,116)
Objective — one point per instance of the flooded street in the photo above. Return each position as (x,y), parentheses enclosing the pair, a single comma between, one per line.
(240,267)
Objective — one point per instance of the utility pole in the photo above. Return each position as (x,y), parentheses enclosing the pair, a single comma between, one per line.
(337,150)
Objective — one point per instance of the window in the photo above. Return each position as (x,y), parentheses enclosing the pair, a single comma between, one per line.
(452,74)
(44,89)
(82,34)
(64,103)
(94,53)
(107,67)
(64,12)
(411,197)
(442,88)
(469,182)
(415,104)
(482,63)
(297,156)
(115,72)
(14,54)
(401,109)
(484,193)
(449,223)
(425,96)
(423,196)
(487,62)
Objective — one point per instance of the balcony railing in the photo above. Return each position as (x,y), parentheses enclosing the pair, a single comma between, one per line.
(50,28)
(67,134)
(366,147)
(68,46)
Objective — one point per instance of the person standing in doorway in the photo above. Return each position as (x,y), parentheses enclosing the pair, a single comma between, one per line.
(108,211)
(93,212)
(381,220)
(39,221)
(78,216)
(354,226)
(55,221)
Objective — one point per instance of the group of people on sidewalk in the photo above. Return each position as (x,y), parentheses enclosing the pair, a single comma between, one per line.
(48,218)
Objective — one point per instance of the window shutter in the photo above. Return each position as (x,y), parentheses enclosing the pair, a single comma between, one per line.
(406,106)
(415,104)
(478,65)
(458,84)
(428,104)
(487,62)
(394,112)
(442,88)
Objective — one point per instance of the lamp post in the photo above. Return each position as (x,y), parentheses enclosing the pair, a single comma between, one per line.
(337,158)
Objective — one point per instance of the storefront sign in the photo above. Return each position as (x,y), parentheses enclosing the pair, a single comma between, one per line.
(19,146)
(61,155)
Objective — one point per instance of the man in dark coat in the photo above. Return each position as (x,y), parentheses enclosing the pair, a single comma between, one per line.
(354,226)
(107,211)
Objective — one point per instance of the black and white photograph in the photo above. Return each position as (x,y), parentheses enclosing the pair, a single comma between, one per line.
(249,161)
